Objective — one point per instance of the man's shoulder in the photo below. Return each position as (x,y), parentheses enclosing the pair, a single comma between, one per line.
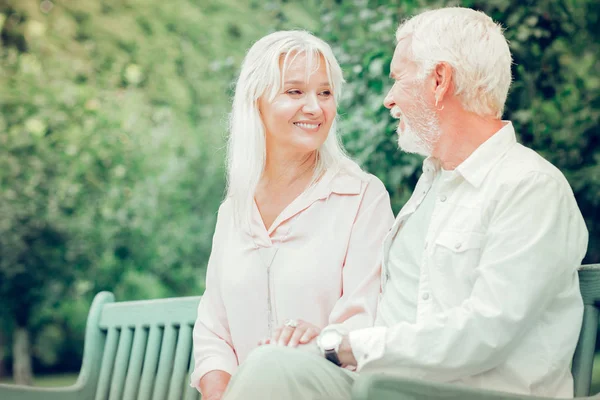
(521,164)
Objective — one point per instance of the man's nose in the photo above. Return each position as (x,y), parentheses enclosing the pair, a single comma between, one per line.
(388,101)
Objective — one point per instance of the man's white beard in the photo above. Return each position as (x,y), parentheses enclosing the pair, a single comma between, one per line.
(421,137)
(419,141)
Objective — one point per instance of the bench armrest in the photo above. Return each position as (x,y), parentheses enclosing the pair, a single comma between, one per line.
(382,387)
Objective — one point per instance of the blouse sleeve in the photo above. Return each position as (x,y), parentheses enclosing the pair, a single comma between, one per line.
(357,306)
(213,347)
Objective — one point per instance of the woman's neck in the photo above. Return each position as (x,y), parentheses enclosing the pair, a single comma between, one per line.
(285,170)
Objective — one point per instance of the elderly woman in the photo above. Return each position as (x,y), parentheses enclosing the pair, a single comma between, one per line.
(299,235)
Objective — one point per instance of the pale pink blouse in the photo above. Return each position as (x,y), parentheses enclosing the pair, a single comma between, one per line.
(326,270)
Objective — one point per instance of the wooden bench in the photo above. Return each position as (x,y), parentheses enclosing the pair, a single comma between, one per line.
(143,350)
(134,350)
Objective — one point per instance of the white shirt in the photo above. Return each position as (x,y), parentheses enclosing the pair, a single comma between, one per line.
(404,263)
(499,305)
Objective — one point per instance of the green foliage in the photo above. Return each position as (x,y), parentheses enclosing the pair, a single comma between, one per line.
(112,130)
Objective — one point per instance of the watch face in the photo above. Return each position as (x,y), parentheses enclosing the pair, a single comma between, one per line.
(330,340)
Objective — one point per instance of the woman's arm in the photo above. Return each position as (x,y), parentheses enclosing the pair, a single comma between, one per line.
(213,346)
(361,272)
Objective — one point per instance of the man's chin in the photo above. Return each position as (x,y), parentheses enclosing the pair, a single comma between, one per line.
(411,146)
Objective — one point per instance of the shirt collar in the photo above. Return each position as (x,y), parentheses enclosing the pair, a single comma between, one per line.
(333,181)
(476,167)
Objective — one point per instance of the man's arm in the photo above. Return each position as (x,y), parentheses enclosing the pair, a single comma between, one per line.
(536,239)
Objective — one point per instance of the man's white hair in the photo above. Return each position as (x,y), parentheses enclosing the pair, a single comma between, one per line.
(475,47)
(261,75)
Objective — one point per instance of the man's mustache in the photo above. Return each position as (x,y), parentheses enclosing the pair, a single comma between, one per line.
(395,112)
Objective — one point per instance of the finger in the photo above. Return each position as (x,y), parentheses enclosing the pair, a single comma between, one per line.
(286,334)
(309,335)
(276,334)
(264,341)
(298,332)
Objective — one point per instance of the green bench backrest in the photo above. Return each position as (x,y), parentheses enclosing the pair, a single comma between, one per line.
(583,361)
(147,349)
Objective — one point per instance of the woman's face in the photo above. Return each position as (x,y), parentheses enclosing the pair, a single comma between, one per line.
(299,117)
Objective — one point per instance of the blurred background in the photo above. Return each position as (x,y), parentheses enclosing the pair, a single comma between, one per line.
(113,123)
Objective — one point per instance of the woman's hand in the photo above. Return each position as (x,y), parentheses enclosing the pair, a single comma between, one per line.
(213,384)
(293,333)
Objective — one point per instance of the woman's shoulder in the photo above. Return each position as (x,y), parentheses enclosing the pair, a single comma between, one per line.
(351,177)
(225,212)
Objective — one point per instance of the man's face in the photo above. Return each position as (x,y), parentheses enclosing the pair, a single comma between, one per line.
(411,103)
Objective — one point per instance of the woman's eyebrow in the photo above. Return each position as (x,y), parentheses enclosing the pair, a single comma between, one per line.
(297,82)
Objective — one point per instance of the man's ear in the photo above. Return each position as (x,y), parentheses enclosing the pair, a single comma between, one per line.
(443,75)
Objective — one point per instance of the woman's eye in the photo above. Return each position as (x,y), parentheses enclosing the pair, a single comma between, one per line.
(326,93)
(294,92)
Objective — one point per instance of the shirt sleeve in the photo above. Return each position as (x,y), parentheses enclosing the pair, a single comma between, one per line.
(212,344)
(362,265)
(536,240)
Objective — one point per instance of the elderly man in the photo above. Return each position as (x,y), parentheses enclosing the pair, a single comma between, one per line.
(479,274)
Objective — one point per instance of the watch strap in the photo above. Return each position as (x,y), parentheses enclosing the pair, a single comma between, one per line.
(332,356)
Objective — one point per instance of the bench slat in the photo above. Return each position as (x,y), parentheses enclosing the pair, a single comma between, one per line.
(150,363)
(190,392)
(182,356)
(121,362)
(165,363)
(134,372)
(108,360)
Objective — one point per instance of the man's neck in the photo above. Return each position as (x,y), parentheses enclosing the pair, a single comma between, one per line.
(461,136)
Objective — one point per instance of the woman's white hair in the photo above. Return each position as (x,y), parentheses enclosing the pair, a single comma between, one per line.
(475,47)
(261,75)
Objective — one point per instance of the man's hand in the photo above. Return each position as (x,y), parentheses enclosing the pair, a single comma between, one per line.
(345,353)
(288,335)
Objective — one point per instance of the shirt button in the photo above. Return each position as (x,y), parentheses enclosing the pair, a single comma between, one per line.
(443,198)
(457,246)
(425,296)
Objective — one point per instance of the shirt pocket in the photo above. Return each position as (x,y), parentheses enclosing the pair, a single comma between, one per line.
(455,260)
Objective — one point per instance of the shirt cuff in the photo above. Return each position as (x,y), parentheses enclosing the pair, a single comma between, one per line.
(209,364)
(367,345)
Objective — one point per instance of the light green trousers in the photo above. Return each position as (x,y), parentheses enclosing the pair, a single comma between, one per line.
(274,372)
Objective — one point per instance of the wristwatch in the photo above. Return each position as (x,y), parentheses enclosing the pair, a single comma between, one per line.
(329,343)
